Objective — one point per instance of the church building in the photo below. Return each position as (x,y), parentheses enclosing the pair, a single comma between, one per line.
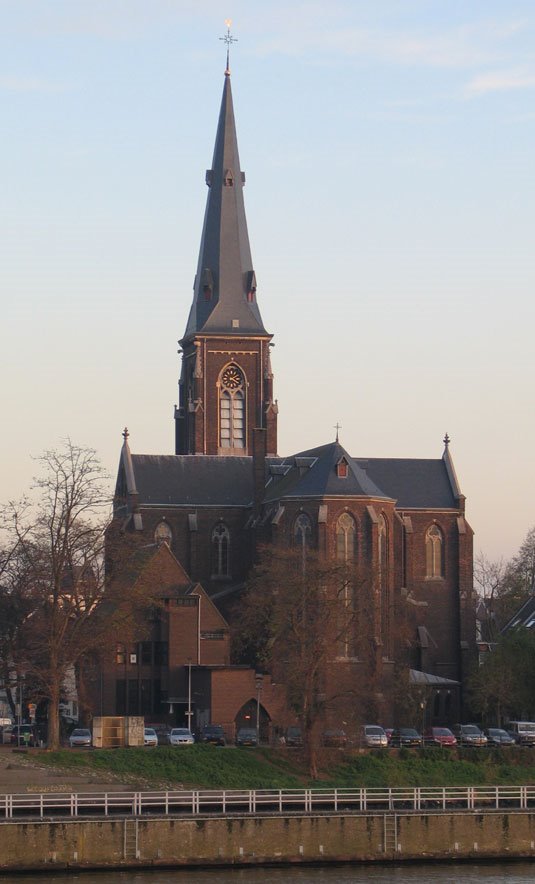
(201,513)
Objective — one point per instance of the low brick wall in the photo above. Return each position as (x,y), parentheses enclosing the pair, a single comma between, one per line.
(244,840)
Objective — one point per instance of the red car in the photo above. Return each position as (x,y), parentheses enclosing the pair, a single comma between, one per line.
(439,736)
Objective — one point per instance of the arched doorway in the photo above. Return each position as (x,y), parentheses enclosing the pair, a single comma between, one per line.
(247,717)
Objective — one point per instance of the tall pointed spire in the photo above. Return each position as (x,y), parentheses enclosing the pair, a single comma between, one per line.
(224,300)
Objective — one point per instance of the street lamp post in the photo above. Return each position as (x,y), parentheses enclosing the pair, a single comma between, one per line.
(259,678)
(189,713)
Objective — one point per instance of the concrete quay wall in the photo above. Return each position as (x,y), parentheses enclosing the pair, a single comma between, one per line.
(241,840)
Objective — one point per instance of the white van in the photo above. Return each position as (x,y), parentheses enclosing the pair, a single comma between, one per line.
(523,732)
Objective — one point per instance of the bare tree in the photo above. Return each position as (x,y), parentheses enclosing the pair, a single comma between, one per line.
(55,564)
(296,619)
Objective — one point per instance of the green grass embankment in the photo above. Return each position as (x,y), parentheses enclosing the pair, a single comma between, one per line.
(203,767)
(434,768)
(208,767)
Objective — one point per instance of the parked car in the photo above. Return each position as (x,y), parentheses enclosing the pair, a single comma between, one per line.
(523,732)
(150,737)
(497,736)
(162,732)
(470,735)
(372,737)
(247,736)
(24,735)
(406,737)
(5,733)
(335,738)
(80,738)
(294,736)
(213,733)
(440,736)
(181,736)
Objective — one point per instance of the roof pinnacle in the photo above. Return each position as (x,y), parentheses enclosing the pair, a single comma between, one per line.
(446,440)
(125,434)
(228,39)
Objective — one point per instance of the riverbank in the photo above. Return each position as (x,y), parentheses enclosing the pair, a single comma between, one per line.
(210,767)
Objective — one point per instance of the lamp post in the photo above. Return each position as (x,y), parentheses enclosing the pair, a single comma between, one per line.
(422,707)
(189,713)
(21,698)
(259,678)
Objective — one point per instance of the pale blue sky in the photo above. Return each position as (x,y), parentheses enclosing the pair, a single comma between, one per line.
(388,148)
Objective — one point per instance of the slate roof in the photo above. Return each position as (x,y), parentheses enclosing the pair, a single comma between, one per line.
(189,480)
(225,250)
(211,480)
(524,616)
(412,482)
(313,473)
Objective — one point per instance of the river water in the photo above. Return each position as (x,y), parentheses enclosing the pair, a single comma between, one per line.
(430,873)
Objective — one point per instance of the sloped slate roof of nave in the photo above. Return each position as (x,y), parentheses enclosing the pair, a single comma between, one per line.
(201,480)
(313,473)
(413,482)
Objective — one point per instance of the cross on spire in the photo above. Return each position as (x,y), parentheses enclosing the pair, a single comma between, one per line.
(228,39)
(446,440)
(337,427)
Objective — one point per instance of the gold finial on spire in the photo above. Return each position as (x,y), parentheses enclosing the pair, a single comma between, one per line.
(228,39)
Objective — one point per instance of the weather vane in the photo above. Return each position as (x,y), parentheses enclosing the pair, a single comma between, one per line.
(228,39)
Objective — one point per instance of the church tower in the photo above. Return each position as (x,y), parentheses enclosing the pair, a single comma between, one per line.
(226,382)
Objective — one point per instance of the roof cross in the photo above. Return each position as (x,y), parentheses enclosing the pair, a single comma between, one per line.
(228,39)
(446,440)
(337,427)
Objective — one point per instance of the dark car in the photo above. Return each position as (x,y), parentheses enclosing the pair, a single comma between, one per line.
(497,736)
(470,735)
(335,738)
(213,733)
(294,736)
(162,732)
(405,737)
(440,736)
(24,735)
(247,736)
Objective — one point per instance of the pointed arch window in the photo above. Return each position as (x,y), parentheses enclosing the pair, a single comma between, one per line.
(434,552)
(346,552)
(383,582)
(163,533)
(346,538)
(232,409)
(382,549)
(220,550)
(303,531)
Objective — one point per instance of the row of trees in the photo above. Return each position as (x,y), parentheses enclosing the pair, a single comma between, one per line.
(55,617)
(502,685)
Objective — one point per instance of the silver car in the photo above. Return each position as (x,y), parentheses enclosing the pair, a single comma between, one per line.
(150,737)
(373,736)
(181,736)
(80,738)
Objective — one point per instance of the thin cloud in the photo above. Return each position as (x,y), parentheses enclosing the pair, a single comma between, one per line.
(15,83)
(463,47)
(500,81)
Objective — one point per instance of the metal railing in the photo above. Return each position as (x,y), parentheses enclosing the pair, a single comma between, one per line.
(217,802)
